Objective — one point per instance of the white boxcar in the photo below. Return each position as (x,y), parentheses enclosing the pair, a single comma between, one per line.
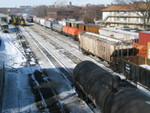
(42,21)
(49,22)
(37,20)
(119,34)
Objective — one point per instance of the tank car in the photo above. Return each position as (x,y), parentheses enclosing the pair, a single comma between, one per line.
(107,91)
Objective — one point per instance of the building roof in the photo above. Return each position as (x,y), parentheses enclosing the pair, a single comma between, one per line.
(126,7)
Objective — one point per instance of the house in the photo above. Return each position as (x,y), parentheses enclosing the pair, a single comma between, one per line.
(124,15)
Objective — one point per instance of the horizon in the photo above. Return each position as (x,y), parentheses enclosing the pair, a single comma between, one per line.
(18,3)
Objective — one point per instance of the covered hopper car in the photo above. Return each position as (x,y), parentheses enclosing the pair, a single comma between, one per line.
(106,48)
(107,91)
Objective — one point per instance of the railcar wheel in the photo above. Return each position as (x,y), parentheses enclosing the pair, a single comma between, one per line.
(84,52)
(114,67)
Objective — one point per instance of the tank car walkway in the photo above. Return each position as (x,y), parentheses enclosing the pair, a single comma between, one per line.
(16,95)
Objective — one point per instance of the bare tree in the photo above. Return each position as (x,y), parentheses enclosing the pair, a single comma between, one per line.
(141,8)
(91,13)
(40,11)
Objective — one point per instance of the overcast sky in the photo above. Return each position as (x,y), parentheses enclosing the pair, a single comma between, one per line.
(17,3)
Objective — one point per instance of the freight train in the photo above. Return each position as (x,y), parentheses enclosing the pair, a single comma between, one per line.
(113,49)
(104,46)
(107,91)
(69,28)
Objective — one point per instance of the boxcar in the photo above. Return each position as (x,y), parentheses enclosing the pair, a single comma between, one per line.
(106,48)
(37,20)
(57,27)
(42,21)
(48,23)
(90,28)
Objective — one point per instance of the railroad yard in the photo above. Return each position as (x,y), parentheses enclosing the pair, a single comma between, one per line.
(55,56)
(38,66)
(75,56)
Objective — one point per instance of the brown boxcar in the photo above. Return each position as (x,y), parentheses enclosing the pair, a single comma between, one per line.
(90,28)
(106,48)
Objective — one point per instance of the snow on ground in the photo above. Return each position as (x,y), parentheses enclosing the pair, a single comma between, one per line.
(16,96)
(66,93)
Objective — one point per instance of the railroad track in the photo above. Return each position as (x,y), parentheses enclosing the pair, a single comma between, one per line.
(71,42)
(41,85)
(65,52)
(64,71)
(44,32)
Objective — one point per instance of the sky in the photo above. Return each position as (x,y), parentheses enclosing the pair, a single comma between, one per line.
(17,3)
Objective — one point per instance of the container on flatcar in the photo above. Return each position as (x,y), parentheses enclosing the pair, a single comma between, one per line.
(106,48)
(144,37)
(119,34)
